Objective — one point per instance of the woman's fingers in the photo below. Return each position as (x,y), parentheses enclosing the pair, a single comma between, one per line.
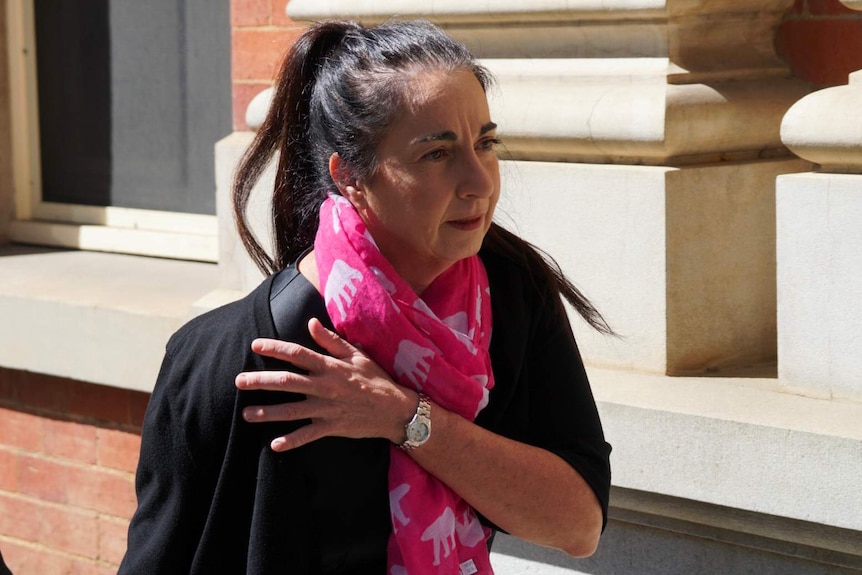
(347,393)
(309,409)
(292,411)
(301,356)
(302,436)
(293,353)
(278,381)
(329,340)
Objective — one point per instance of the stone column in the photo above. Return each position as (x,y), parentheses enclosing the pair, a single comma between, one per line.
(819,235)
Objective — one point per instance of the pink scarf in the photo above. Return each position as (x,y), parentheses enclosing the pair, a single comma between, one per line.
(433,529)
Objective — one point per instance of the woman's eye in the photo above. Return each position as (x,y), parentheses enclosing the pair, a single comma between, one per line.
(489,144)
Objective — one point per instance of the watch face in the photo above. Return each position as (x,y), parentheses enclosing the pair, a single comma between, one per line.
(418,432)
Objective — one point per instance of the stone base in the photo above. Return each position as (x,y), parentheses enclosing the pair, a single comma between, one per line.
(819,284)
(681,261)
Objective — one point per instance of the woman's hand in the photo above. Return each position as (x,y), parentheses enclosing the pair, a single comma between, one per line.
(347,393)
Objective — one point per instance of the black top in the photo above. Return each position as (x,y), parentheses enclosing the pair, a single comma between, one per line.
(4,570)
(214,498)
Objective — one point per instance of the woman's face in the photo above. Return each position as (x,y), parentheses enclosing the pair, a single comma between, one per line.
(432,197)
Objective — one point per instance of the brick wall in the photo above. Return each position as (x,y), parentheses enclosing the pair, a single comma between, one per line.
(68,452)
(821,40)
(261,33)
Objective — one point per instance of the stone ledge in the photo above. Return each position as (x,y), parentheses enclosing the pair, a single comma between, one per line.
(735,442)
(658,535)
(97,317)
(738,527)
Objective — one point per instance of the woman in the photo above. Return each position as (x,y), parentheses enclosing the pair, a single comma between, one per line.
(408,382)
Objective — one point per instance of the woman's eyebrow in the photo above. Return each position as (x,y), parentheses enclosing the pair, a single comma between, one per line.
(489,127)
(449,135)
(446,135)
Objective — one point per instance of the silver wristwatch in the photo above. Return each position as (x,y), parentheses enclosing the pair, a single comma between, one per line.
(419,429)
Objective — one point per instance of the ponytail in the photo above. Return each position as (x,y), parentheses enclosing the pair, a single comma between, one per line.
(286,129)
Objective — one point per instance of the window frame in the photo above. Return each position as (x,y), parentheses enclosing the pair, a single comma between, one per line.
(157,233)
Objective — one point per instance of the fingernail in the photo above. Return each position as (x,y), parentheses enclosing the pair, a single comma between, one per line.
(278,444)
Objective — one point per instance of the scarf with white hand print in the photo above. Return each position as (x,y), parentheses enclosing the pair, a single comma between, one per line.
(436,344)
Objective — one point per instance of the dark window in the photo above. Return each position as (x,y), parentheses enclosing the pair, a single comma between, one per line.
(133,96)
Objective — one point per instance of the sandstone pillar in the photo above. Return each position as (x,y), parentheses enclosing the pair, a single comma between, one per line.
(819,235)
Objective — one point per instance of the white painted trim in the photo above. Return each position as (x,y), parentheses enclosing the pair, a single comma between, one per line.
(165,244)
(116,229)
(130,218)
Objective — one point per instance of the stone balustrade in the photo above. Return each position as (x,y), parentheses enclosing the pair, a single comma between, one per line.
(826,127)
(819,241)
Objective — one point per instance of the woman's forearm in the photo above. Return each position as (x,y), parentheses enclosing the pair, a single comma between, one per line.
(526,490)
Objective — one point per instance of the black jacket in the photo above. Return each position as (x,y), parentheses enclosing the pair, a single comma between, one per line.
(214,498)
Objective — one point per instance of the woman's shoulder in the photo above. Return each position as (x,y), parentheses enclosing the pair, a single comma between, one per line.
(204,356)
(226,324)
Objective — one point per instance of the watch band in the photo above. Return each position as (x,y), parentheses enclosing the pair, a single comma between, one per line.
(418,429)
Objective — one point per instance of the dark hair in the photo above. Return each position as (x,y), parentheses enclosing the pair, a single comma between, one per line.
(339,88)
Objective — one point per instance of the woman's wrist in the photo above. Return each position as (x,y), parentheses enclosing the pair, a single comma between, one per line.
(405,412)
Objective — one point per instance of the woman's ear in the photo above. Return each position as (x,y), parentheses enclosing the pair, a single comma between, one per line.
(343,178)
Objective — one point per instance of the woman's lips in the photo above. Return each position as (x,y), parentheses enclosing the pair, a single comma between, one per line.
(466,224)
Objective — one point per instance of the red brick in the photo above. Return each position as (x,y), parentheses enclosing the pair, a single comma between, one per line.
(249,12)
(42,478)
(828,7)
(798,7)
(70,440)
(101,490)
(118,449)
(8,470)
(44,393)
(256,54)
(20,430)
(8,385)
(20,518)
(823,52)
(71,531)
(279,13)
(26,559)
(112,540)
(242,95)
(99,402)
(138,401)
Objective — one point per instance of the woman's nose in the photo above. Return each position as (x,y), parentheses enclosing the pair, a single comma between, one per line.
(477,177)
